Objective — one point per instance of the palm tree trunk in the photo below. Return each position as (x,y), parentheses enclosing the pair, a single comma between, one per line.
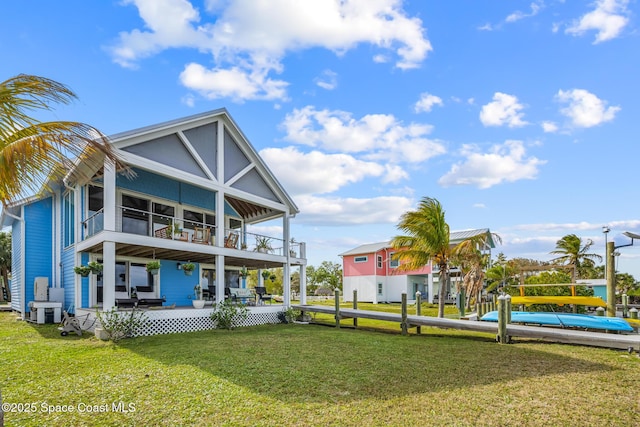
(444,278)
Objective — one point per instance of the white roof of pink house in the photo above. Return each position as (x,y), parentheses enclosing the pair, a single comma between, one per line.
(454,237)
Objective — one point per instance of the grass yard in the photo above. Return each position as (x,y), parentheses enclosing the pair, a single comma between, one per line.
(311,375)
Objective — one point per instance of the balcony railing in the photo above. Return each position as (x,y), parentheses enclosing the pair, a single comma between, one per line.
(135,221)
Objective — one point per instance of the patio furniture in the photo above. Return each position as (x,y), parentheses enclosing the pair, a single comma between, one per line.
(263,296)
(126,302)
(229,295)
(201,235)
(231,241)
(246,296)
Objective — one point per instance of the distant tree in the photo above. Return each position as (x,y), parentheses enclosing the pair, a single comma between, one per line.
(34,152)
(626,283)
(312,285)
(588,270)
(426,239)
(295,282)
(471,259)
(502,273)
(328,275)
(572,251)
(5,264)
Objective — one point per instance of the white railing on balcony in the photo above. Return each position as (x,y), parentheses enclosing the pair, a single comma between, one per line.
(136,221)
(94,224)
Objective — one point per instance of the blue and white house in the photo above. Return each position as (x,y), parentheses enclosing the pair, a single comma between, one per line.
(198,189)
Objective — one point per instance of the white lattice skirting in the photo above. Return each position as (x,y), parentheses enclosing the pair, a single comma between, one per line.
(190,319)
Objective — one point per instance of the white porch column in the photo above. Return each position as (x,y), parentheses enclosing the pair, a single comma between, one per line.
(109,248)
(78,236)
(220,230)
(108,275)
(286,273)
(303,284)
(109,208)
(219,278)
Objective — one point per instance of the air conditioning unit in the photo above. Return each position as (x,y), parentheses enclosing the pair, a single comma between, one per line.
(41,289)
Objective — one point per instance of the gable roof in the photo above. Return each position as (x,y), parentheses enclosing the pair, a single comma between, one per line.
(366,249)
(190,149)
(454,238)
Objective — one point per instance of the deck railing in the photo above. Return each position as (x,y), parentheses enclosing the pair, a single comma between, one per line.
(136,221)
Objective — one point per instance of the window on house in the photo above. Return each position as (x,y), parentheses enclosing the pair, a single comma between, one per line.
(95,216)
(135,215)
(162,215)
(379,288)
(393,262)
(140,278)
(379,261)
(360,259)
(68,218)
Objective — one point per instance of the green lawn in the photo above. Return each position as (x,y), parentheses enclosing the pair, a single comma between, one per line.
(312,375)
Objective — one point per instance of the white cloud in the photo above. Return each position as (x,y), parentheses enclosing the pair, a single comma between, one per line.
(503,163)
(549,127)
(248,39)
(234,83)
(518,15)
(316,172)
(376,136)
(351,211)
(584,108)
(426,102)
(479,205)
(328,80)
(608,18)
(486,27)
(503,110)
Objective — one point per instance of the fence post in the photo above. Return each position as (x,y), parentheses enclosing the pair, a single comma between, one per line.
(418,310)
(461,302)
(355,307)
(508,308)
(502,320)
(633,313)
(337,298)
(625,305)
(403,323)
(600,311)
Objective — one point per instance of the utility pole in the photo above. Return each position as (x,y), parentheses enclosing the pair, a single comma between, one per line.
(611,280)
(605,230)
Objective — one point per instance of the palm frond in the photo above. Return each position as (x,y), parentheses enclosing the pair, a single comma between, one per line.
(34,152)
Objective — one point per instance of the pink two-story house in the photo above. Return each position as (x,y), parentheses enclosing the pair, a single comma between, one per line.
(371,270)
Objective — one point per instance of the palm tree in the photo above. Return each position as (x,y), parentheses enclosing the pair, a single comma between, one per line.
(572,251)
(469,255)
(33,153)
(427,238)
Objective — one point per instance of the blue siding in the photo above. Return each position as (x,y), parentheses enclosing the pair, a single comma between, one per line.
(84,283)
(68,277)
(199,197)
(38,245)
(169,189)
(175,286)
(150,183)
(16,272)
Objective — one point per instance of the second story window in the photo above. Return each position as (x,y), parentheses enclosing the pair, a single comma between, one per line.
(68,218)
(393,262)
(379,261)
(135,215)
(359,259)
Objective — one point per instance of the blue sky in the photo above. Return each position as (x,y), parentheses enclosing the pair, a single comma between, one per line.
(520,116)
